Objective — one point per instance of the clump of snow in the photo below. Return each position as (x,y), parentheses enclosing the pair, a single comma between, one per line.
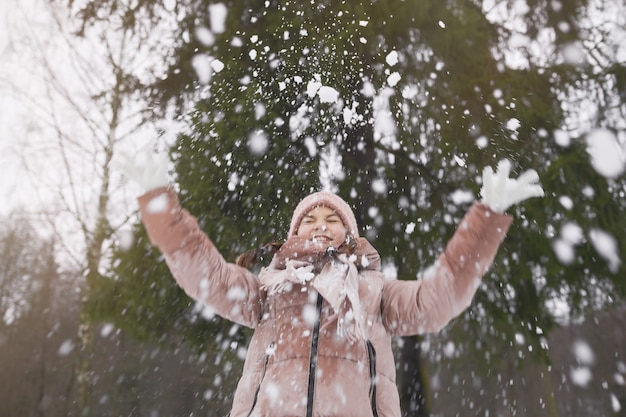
(273,392)
(563,246)
(393,79)
(201,64)
(313,87)
(350,114)
(566,202)
(106,330)
(242,352)
(125,239)
(615,404)
(379,186)
(258,142)
(392,58)
(328,94)
(217,13)
(204,36)
(572,233)
(236,293)
(564,251)
(585,358)
(562,138)
(66,348)
(157,204)
(607,157)
(259,111)
(309,314)
(513,124)
(581,376)
(304,274)
(384,123)
(482,142)
(606,246)
(9,315)
(619,378)
(449,349)
(207,312)
(325,93)
(583,352)
(462,196)
(311,146)
(217,65)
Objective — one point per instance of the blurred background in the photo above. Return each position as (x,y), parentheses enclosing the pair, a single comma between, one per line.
(396,105)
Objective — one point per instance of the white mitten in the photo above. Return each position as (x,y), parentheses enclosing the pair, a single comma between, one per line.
(147,167)
(500,192)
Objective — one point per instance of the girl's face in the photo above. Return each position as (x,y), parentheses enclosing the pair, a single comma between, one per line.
(323,225)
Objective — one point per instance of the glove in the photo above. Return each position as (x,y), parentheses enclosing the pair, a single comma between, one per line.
(147,167)
(499,192)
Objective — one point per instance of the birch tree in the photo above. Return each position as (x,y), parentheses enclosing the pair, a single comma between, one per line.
(79,89)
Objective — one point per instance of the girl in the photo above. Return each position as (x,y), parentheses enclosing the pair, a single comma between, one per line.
(322,312)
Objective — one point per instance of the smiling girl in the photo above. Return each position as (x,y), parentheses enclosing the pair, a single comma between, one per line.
(322,312)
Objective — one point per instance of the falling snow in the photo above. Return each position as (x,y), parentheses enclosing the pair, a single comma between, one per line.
(606,245)
(607,156)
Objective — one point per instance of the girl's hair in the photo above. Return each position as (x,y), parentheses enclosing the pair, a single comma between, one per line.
(255,256)
(266,252)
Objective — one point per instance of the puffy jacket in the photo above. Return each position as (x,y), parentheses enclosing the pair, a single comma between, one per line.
(296,365)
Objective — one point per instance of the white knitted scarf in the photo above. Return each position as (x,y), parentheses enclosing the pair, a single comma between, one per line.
(333,273)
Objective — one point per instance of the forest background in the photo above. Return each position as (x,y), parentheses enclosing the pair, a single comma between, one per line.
(396,105)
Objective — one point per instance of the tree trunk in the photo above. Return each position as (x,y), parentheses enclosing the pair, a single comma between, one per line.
(83,368)
(412,382)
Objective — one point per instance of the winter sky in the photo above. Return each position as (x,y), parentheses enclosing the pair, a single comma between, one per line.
(18,79)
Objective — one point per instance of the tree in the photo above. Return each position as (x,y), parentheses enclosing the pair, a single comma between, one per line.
(90,107)
(29,294)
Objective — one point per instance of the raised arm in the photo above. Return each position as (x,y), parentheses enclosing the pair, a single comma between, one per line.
(447,288)
(231,291)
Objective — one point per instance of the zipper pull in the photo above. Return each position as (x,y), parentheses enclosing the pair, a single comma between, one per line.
(269,351)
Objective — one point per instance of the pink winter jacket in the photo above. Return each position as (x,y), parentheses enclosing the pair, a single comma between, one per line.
(296,366)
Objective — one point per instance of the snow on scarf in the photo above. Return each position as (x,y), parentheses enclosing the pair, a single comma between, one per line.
(334,273)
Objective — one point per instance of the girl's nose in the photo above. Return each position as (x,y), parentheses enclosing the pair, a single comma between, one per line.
(320,226)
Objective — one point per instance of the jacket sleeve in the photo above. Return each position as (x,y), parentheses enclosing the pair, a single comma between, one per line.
(229,290)
(446,288)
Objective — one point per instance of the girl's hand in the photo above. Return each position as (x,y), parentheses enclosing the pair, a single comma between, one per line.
(499,192)
(147,167)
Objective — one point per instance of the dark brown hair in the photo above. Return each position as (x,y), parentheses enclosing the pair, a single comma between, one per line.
(266,252)
(255,256)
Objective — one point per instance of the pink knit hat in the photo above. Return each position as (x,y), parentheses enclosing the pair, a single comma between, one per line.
(324,199)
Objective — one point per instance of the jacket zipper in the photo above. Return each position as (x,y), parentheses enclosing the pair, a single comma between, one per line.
(313,359)
(371,354)
(258,387)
